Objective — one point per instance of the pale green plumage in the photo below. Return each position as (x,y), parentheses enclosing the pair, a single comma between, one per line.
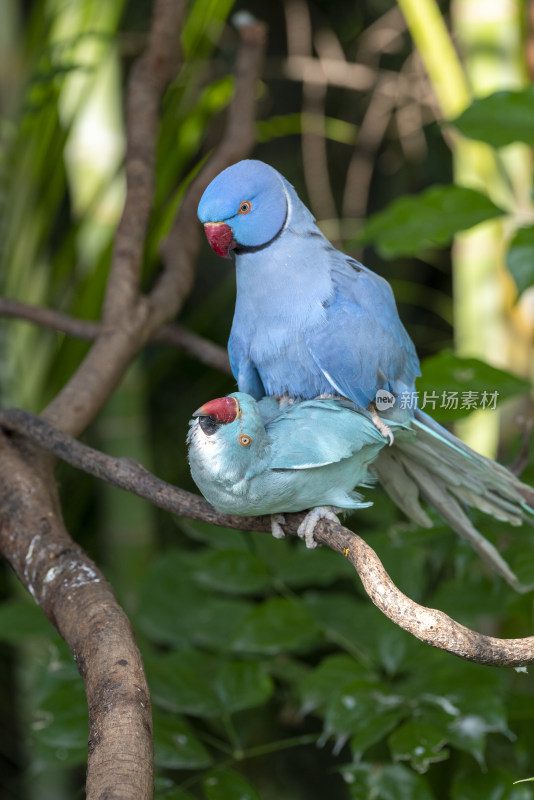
(312,453)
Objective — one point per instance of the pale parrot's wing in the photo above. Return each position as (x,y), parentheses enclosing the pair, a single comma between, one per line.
(317,432)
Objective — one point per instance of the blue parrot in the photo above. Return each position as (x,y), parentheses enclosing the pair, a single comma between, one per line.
(308,320)
(312,322)
(249,457)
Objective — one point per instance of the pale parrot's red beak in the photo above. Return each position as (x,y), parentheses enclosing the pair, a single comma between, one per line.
(222,409)
(220,237)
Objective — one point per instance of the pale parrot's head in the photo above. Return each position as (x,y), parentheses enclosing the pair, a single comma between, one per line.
(245,206)
(227,435)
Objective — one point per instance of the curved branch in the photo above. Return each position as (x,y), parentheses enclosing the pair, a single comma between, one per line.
(199,348)
(427,624)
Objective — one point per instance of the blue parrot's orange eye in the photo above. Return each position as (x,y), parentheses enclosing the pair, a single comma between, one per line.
(245,207)
(244,439)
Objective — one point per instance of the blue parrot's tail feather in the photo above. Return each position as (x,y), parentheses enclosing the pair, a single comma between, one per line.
(436,466)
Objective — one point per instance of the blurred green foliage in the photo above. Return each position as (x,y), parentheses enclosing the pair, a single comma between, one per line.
(272,675)
(410,225)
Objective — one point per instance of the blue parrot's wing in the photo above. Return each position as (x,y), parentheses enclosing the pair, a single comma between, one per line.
(318,432)
(243,370)
(362,345)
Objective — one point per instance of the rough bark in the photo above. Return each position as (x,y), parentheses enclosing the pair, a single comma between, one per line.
(68,586)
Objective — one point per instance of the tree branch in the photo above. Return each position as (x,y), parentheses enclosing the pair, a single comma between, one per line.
(429,625)
(79,601)
(193,345)
(125,326)
(63,580)
(129,324)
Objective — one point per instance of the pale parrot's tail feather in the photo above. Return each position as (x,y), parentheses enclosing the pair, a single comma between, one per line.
(402,489)
(434,465)
(437,493)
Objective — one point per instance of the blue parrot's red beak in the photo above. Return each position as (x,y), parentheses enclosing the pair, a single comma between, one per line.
(220,237)
(222,409)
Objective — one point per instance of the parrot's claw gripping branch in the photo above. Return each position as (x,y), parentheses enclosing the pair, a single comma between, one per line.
(306,529)
(277,520)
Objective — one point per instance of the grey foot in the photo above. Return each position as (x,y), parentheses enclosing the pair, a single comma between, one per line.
(277,520)
(307,526)
(285,400)
(380,425)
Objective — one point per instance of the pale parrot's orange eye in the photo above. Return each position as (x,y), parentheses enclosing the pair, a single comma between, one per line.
(244,439)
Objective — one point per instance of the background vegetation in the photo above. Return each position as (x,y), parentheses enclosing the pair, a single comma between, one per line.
(272,675)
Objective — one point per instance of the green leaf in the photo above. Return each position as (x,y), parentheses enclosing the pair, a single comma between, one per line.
(374,729)
(175,745)
(212,535)
(414,223)
(276,626)
(340,617)
(392,782)
(468,602)
(493,784)
(470,697)
(227,784)
(359,629)
(182,681)
(482,712)
(296,566)
(198,683)
(19,620)
(242,684)
(233,571)
(419,743)
(358,702)
(500,118)
(60,723)
(357,777)
(333,674)
(468,733)
(398,783)
(171,793)
(202,26)
(203,619)
(452,387)
(520,258)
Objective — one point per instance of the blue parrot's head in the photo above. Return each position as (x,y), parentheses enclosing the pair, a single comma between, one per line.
(244,206)
(229,431)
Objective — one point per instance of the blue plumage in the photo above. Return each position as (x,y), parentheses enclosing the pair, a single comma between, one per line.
(308,320)
(311,321)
